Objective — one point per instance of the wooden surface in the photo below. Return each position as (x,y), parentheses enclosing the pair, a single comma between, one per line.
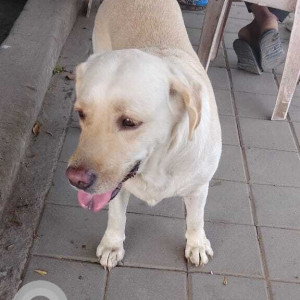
(219,34)
(291,71)
(214,15)
(289,5)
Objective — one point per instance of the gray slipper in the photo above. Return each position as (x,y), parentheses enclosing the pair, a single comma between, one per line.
(247,57)
(271,52)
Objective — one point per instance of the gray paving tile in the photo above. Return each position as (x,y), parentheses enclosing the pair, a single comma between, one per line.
(229,38)
(145,284)
(225,199)
(224,102)
(69,144)
(238,4)
(236,250)
(232,58)
(61,191)
(229,130)
(219,61)
(153,241)
(279,69)
(194,35)
(239,12)
(234,25)
(256,106)
(267,134)
(277,206)
(219,78)
(211,287)
(297,91)
(70,232)
(282,253)
(231,164)
(283,32)
(74,119)
(78,280)
(193,19)
(252,83)
(285,291)
(273,167)
(170,207)
(297,129)
(294,111)
(79,44)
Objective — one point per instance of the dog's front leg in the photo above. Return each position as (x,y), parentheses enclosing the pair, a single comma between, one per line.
(197,245)
(110,250)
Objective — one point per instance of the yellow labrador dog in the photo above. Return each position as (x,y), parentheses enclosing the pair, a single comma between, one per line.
(149,121)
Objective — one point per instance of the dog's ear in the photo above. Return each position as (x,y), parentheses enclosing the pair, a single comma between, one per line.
(191,101)
(80,70)
(190,94)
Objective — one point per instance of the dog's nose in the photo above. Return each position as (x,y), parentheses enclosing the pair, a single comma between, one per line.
(80,177)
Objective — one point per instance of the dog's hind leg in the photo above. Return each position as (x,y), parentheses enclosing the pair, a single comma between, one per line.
(197,245)
(110,250)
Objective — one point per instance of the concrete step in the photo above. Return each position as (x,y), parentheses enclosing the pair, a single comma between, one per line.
(34,178)
(27,58)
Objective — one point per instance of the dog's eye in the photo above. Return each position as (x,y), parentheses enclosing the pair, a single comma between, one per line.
(81,115)
(127,123)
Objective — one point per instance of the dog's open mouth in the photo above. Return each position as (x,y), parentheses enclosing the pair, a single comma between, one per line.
(96,202)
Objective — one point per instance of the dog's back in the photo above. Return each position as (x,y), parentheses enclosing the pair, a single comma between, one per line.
(122,24)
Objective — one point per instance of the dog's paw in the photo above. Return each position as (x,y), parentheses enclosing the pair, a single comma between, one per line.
(198,253)
(109,256)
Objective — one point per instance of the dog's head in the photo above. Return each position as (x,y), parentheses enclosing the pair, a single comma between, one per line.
(128,103)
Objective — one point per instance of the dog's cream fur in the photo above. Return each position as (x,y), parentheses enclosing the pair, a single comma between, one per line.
(154,77)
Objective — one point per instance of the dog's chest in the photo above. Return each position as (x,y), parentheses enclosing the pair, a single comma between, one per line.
(152,189)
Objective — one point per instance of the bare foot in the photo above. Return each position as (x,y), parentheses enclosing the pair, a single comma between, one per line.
(250,33)
(263,21)
(267,23)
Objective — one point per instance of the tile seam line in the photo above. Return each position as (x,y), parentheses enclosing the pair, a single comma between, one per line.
(256,183)
(247,147)
(105,293)
(246,92)
(247,173)
(245,277)
(292,127)
(249,276)
(189,287)
(236,275)
(253,118)
(67,259)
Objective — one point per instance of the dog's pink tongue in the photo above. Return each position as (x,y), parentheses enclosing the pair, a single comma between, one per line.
(93,202)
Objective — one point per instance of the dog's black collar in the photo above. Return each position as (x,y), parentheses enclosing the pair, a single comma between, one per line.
(131,174)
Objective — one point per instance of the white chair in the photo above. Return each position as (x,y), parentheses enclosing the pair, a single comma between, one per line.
(214,22)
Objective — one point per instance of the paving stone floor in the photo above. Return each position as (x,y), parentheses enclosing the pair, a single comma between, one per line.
(252,213)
